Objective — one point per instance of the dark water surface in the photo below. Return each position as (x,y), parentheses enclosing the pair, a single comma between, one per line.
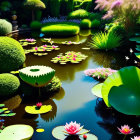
(75,102)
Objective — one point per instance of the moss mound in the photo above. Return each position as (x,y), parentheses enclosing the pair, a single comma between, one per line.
(12,55)
(5,27)
(35,25)
(85,24)
(60,29)
(9,84)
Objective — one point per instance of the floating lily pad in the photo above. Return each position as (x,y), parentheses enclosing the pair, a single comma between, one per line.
(8,115)
(40,130)
(96,90)
(26,42)
(34,110)
(137,55)
(58,133)
(2,105)
(17,132)
(125,100)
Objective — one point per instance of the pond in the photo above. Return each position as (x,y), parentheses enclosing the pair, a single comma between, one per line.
(75,101)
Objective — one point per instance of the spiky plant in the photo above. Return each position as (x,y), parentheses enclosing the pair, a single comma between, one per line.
(105,41)
(34,5)
(37,76)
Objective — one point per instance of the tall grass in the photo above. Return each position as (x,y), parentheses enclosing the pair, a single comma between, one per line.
(105,41)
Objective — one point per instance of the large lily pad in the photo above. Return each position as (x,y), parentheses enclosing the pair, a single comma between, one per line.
(58,133)
(125,100)
(129,76)
(137,55)
(96,90)
(17,132)
(34,110)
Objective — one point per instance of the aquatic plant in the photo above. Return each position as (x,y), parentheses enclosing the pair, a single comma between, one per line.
(9,84)
(37,76)
(5,27)
(61,29)
(38,105)
(27,41)
(4,112)
(124,11)
(12,55)
(100,73)
(72,130)
(135,138)
(70,56)
(38,109)
(125,130)
(34,5)
(18,131)
(85,24)
(105,41)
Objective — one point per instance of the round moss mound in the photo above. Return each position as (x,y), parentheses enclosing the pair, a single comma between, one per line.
(35,25)
(12,55)
(60,29)
(85,24)
(5,27)
(95,24)
(9,84)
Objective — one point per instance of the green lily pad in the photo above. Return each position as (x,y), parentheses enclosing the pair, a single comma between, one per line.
(129,76)
(138,49)
(58,133)
(125,100)
(2,105)
(138,46)
(8,115)
(17,132)
(43,109)
(96,90)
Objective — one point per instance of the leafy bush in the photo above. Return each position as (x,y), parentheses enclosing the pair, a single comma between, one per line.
(9,84)
(93,16)
(95,24)
(78,14)
(60,29)
(126,11)
(5,27)
(12,55)
(35,25)
(105,41)
(85,24)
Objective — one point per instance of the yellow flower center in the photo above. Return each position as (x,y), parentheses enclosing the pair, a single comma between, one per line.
(126,130)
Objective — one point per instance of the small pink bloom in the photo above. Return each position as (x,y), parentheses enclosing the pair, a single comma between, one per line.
(44,46)
(69,54)
(85,136)
(39,104)
(36,48)
(74,59)
(136,138)
(54,47)
(125,130)
(44,49)
(72,128)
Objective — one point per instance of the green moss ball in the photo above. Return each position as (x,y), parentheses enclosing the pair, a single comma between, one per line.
(85,24)
(12,55)
(9,84)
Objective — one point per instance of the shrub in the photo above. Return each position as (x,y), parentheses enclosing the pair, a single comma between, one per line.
(95,24)
(78,14)
(5,27)
(126,11)
(93,16)
(35,25)
(12,55)
(60,29)
(85,24)
(106,41)
(9,84)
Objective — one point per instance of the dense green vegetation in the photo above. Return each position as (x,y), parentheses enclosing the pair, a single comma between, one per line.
(85,24)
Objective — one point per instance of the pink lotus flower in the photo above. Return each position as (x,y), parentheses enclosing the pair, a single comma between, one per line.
(126,130)
(39,104)
(136,138)
(44,49)
(30,40)
(72,128)
(36,48)
(44,46)
(74,59)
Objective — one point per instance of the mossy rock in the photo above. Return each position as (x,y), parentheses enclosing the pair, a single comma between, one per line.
(12,55)
(5,27)
(9,84)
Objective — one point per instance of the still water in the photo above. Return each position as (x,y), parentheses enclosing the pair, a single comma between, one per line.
(74,102)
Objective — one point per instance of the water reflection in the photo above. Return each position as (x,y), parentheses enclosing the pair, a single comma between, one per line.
(85,32)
